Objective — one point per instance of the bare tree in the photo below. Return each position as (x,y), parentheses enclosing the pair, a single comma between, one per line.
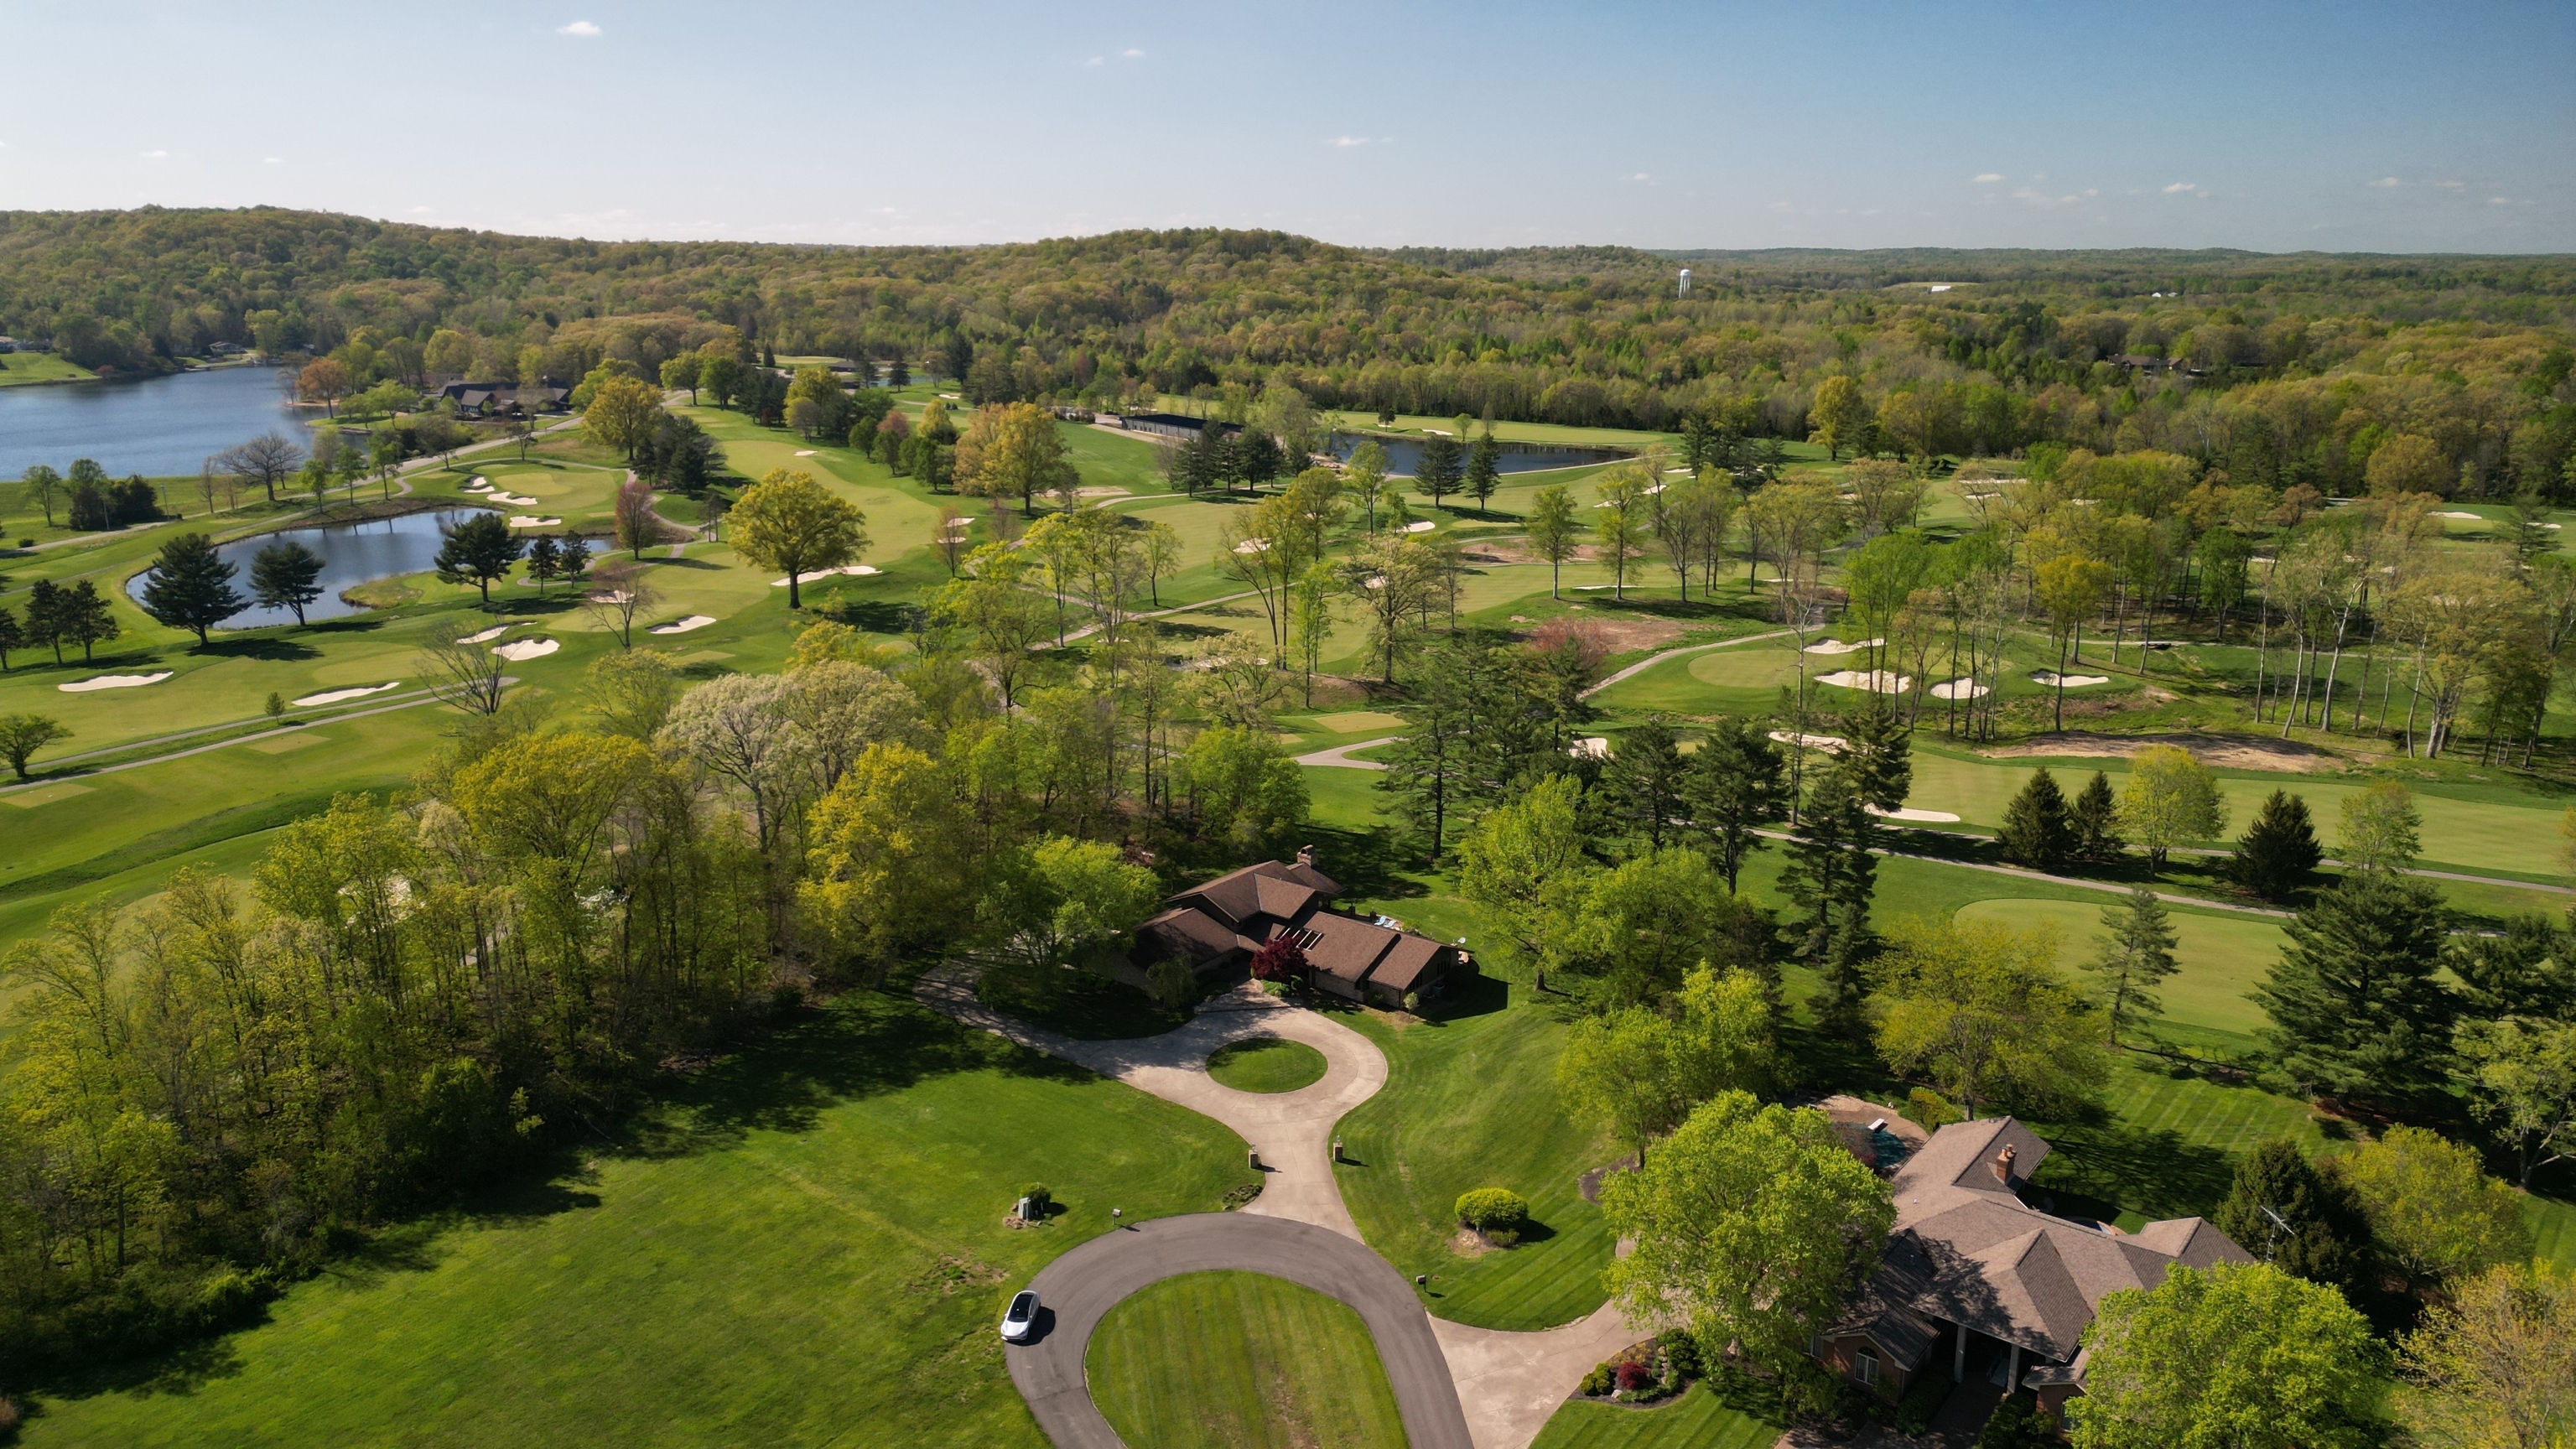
(638,526)
(268,460)
(617,594)
(471,671)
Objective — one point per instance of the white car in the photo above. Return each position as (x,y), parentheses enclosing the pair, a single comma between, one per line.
(1021,1318)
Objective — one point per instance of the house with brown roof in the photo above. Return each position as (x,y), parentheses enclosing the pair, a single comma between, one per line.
(1218,926)
(1975,1274)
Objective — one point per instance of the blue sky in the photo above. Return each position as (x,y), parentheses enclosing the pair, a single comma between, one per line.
(2271,126)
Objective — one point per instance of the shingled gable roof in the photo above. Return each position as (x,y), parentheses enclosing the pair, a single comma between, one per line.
(1268,889)
(1243,910)
(1967,1249)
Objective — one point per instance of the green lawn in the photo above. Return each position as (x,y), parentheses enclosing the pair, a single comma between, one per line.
(1470,1101)
(2220,958)
(1240,1361)
(1267,1064)
(1699,1419)
(806,1247)
(20,369)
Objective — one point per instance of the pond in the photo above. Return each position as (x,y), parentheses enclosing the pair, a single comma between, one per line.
(157,426)
(354,553)
(1404,454)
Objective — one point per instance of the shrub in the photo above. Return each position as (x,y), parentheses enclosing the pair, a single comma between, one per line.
(1493,1209)
(1633,1376)
(1930,1110)
(2016,1425)
(1040,1199)
(1172,985)
(1413,1002)
(1599,1381)
(1281,960)
(1682,1352)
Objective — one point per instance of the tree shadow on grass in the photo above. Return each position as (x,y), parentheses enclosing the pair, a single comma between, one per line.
(1367,862)
(2117,1165)
(864,1044)
(1464,1001)
(265,650)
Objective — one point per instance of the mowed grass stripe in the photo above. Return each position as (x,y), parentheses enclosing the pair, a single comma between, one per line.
(1699,1420)
(1240,1361)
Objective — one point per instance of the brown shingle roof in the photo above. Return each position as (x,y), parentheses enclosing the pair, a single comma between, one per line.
(1967,1248)
(1405,962)
(1345,946)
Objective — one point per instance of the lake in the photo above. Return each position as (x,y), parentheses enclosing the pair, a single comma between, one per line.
(1403,455)
(355,553)
(155,426)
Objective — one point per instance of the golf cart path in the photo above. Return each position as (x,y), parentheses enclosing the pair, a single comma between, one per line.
(1651,660)
(1498,1387)
(1340,755)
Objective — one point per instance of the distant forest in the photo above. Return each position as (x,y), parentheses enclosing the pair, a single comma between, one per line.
(2282,370)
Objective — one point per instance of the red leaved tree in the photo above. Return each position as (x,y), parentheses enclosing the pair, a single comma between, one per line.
(1281,960)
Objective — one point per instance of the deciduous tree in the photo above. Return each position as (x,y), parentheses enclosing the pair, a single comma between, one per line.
(2245,1356)
(2433,1209)
(21,735)
(2171,798)
(2495,1367)
(788,521)
(1981,1009)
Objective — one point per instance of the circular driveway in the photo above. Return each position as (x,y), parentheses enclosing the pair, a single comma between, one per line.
(1077,1290)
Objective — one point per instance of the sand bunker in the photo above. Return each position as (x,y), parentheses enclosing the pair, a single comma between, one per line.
(2048,679)
(337,695)
(488,635)
(813,574)
(113,681)
(2462,514)
(1425,526)
(1100,493)
(2226,752)
(526,649)
(512,499)
(1878,681)
(683,626)
(1959,689)
(805,452)
(478,486)
(1831,744)
(1594,747)
(1837,646)
(524,521)
(1920,817)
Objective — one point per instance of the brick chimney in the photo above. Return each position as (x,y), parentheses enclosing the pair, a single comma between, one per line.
(2003,1165)
(1306,856)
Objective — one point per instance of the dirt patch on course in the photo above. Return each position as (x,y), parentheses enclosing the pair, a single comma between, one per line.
(2232,752)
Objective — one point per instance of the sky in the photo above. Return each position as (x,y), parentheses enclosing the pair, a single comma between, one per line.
(2270,125)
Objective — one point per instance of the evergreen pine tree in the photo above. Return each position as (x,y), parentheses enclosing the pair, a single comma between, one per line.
(1484,471)
(1436,472)
(191,586)
(45,616)
(1733,786)
(1645,776)
(2036,832)
(476,552)
(1830,877)
(87,618)
(2137,953)
(11,637)
(2354,1004)
(1879,755)
(2097,820)
(2276,853)
(283,575)
(2327,1239)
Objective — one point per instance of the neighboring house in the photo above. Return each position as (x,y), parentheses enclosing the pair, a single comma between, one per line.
(503,399)
(1170,425)
(2005,1288)
(1217,927)
(8,344)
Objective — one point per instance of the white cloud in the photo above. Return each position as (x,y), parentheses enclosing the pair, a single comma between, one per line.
(156,155)
(582,29)
(2385,181)
(1097,60)
(2182,186)
(1131,53)
(2027,197)
(272,160)
(1361,141)
(1983,177)
(1641,176)
(2499,201)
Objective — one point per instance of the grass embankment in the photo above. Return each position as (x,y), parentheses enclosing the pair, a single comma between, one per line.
(1699,1419)
(21,369)
(805,1246)
(1240,1361)
(1470,1101)
(1267,1064)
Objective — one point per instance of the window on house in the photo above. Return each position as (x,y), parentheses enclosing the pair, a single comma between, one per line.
(1865,1368)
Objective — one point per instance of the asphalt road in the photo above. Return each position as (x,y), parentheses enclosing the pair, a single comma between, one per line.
(1078,1289)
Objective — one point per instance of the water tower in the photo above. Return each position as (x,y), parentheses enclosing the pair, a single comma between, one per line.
(1685,288)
